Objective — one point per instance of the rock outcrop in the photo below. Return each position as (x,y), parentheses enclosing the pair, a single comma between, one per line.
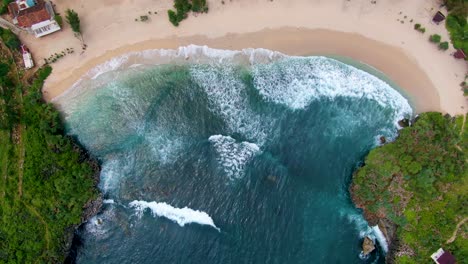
(367,246)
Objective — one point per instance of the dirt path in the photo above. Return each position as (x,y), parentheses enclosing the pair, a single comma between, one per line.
(454,236)
(46,227)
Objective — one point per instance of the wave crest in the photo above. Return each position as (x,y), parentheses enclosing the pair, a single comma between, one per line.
(181,216)
(232,155)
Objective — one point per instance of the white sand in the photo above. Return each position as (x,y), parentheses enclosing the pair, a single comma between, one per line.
(356,28)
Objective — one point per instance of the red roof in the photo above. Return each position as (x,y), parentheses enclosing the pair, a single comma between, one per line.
(29,16)
(459,54)
(446,258)
(438,17)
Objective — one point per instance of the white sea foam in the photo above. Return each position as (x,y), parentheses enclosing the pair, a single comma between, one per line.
(109,175)
(108,201)
(228,98)
(232,155)
(380,238)
(291,81)
(295,82)
(181,216)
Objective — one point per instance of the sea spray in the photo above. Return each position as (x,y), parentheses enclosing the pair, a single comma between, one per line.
(181,216)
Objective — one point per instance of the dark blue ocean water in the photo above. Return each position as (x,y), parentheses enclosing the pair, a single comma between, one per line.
(260,155)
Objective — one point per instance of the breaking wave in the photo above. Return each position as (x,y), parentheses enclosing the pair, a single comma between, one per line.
(166,123)
(181,216)
(233,156)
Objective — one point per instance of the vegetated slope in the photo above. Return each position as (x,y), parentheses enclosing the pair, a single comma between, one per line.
(45,179)
(420,183)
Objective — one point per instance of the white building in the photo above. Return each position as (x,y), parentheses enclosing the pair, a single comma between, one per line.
(37,16)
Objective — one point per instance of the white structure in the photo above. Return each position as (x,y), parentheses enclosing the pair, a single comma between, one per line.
(45,28)
(27,58)
(36,16)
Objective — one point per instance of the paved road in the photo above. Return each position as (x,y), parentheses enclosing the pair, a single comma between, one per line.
(6,24)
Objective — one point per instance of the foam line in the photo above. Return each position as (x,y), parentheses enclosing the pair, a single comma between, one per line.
(181,216)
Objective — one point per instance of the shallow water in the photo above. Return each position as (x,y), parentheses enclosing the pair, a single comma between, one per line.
(229,157)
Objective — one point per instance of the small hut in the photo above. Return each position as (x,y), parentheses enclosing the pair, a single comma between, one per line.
(459,54)
(443,257)
(438,17)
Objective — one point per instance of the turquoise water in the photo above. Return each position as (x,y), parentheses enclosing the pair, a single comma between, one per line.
(229,157)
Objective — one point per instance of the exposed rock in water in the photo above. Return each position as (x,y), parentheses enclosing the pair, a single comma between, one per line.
(91,209)
(367,246)
(383,140)
(404,122)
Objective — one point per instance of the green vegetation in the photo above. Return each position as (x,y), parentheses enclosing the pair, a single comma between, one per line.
(456,23)
(57,56)
(457,7)
(74,21)
(9,38)
(58,18)
(419,28)
(435,38)
(182,7)
(444,45)
(420,183)
(199,6)
(45,179)
(4,6)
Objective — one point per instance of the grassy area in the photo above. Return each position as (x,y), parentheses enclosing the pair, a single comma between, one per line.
(420,183)
(45,179)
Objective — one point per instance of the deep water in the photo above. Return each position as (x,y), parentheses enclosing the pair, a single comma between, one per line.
(223,160)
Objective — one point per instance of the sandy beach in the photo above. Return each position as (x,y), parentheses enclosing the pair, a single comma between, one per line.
(380,35)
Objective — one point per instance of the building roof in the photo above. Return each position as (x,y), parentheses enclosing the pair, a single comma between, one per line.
(446,258)
(29,16)
(443,257)
(459,54)
(438,17)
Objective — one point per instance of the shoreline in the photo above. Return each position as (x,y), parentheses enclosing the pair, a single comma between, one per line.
(378,33)
(391,62)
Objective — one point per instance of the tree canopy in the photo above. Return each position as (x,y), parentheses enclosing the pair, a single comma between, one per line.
(420,183)
(73,19)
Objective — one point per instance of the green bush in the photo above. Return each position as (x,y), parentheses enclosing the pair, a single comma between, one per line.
(419,28)
(458,29)
(10,39)
(58,18)
(435,38)
(199,6)
(173,17)
(457,7)
(182,7)
(444,45)
(4,6)
(4,69)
